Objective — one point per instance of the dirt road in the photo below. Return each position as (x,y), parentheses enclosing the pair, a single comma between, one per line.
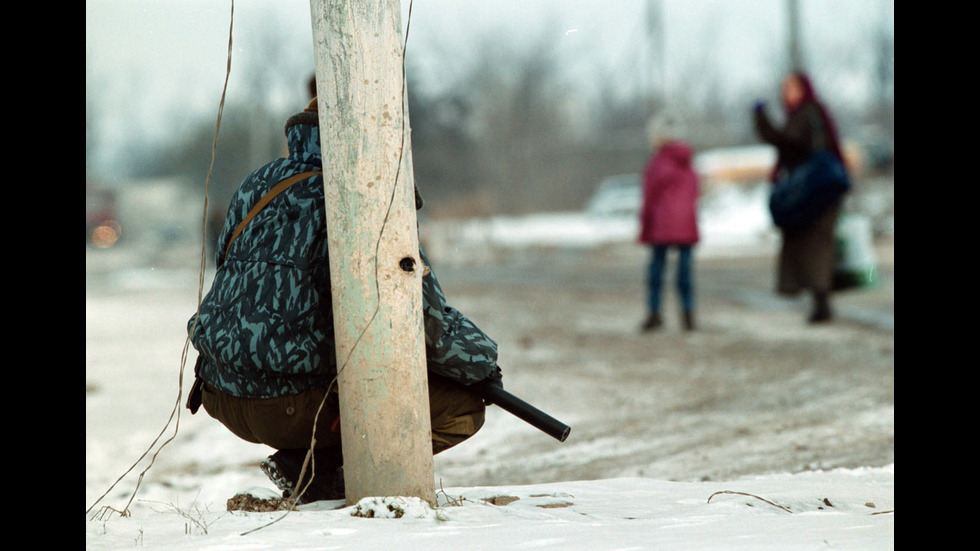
(754,389)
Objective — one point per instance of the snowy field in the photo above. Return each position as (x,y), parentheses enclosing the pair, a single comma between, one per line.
(742,472)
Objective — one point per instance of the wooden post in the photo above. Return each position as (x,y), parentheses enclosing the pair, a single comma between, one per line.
(375,267)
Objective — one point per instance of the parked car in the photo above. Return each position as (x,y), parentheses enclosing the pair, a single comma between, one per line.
(619,195)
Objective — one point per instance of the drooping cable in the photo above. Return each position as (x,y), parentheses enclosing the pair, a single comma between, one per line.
(175,413)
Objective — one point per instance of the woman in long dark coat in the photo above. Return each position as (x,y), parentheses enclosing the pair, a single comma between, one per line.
(806,259)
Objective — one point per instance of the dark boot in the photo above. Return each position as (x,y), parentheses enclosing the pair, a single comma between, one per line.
(283,469)
(821,308)
(652,322)
(688,318)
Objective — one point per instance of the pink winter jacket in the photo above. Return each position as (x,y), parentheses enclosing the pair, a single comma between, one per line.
(670,197)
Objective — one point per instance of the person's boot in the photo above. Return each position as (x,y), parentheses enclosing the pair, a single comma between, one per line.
(652,322)
(688,319)
(821,308)
(283,469)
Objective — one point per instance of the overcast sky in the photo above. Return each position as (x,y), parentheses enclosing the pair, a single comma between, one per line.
(151,60)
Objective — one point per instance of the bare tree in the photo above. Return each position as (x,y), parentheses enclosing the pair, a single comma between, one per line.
(443,151)
(274,79)
(518,121)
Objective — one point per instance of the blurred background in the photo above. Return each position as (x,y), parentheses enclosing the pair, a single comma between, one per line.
(517,107)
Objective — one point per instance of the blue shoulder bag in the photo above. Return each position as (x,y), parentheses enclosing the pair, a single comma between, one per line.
(800,197)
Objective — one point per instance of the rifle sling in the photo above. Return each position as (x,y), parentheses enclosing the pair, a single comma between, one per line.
(269,196)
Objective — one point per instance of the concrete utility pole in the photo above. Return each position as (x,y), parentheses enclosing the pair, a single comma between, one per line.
(375,267)
(795,39)
(657,72)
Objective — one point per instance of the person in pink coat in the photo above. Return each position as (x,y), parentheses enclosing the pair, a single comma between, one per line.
(668,217)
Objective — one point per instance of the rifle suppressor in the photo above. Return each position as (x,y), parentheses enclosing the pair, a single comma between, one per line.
(523,410)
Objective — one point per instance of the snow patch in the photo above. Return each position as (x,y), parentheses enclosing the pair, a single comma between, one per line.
(393,507)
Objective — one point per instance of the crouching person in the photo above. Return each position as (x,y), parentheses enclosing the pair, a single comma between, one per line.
(266,365)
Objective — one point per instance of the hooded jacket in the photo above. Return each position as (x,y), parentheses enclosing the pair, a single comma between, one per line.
(670,193)
(265,328)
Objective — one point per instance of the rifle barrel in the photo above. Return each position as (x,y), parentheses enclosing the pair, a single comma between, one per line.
(523,410)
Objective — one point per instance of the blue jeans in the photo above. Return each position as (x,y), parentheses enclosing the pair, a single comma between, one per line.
(684,278)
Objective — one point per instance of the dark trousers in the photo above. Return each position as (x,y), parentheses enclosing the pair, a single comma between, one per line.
(684,277)
(288,422)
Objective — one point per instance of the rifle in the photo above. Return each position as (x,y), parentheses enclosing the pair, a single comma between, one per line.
(521,409)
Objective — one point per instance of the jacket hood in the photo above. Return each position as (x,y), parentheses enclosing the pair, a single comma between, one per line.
(303,135)
(678,151)
(303,139)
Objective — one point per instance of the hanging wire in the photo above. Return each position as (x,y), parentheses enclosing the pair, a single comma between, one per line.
(175,413)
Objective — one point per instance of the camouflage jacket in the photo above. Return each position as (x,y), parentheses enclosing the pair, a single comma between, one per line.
(265,328)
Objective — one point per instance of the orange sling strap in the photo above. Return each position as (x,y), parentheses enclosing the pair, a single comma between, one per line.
(269,196)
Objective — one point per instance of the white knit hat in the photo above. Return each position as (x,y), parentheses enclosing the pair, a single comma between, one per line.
(665,126)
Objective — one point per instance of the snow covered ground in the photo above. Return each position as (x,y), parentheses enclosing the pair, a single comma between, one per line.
(136,311)
(818,510)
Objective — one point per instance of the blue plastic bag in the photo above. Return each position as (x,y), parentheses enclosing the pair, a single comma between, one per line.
(799,198)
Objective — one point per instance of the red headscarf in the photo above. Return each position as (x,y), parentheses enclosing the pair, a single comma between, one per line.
(810,96)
